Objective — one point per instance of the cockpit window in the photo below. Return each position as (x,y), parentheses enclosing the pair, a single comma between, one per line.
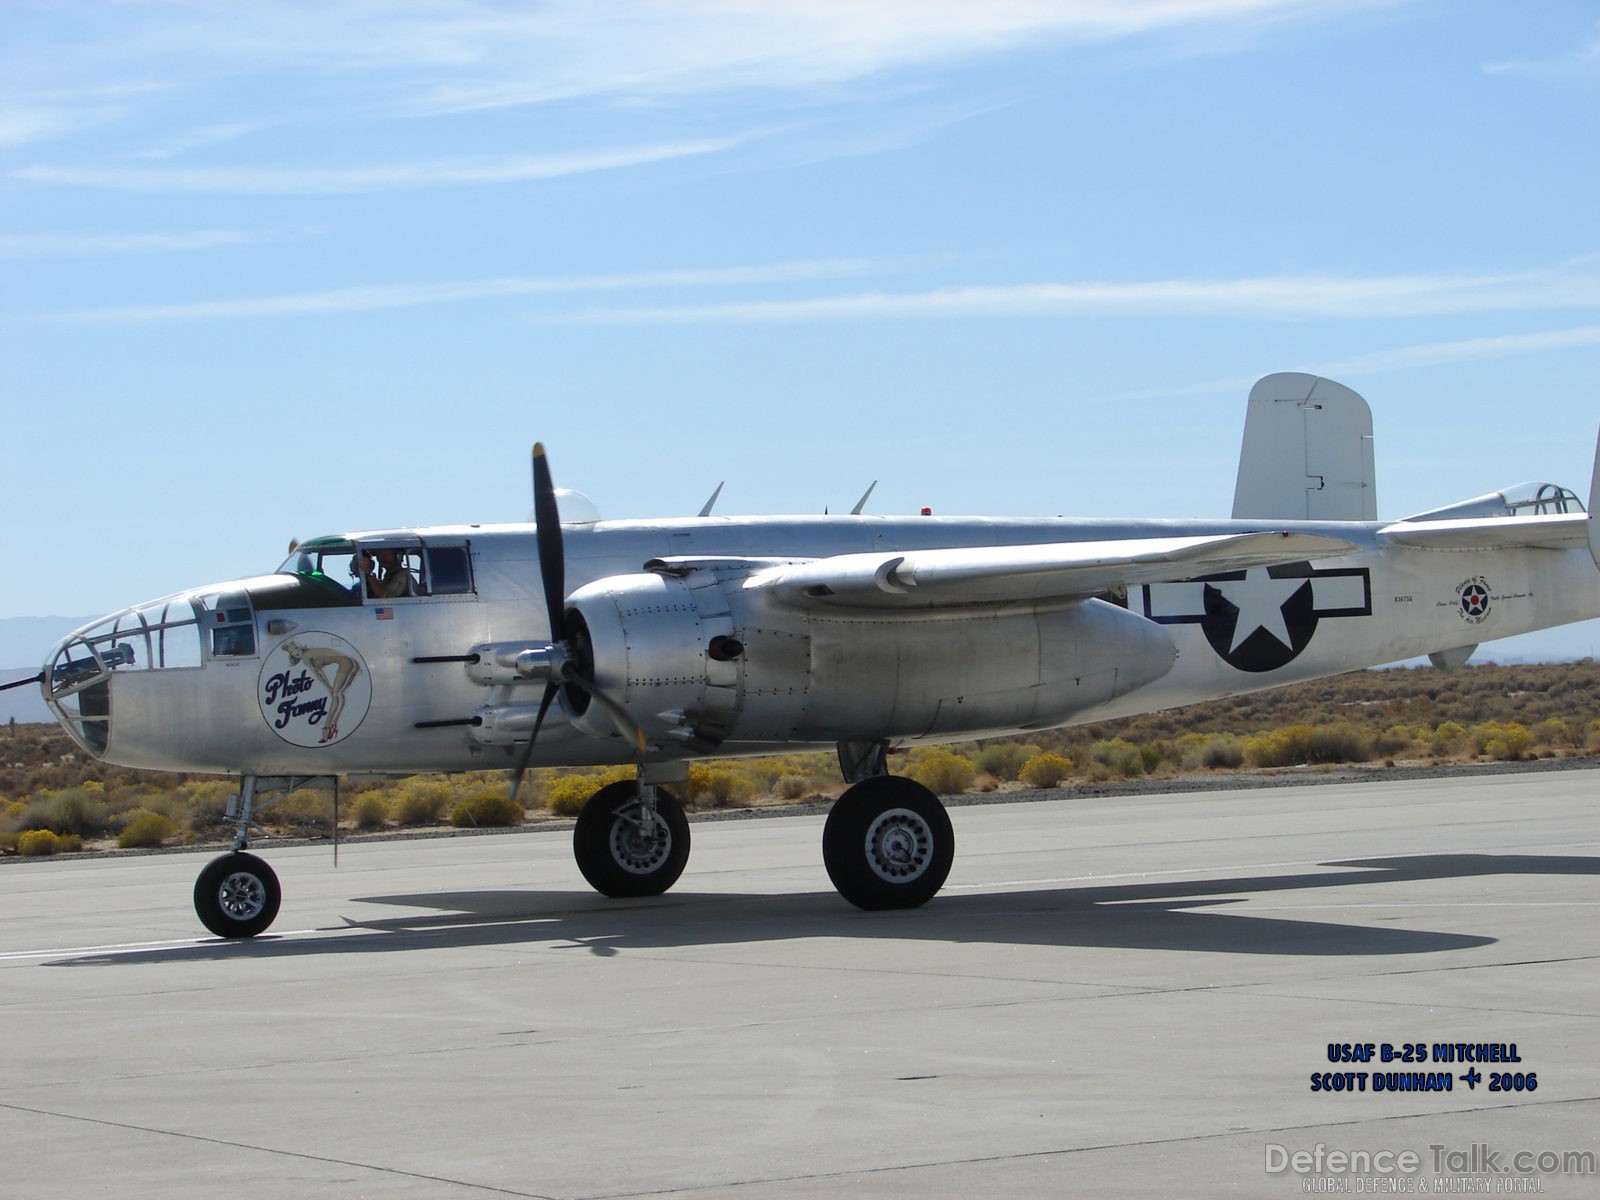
(449,571)
(230,625)
(378,569)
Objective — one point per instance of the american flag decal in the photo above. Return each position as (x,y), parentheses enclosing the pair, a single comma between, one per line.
(383,612)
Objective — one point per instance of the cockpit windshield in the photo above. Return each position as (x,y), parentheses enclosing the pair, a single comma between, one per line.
(379,567)
(1522,500)
(330,558)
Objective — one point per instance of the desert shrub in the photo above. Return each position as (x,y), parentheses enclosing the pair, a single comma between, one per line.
(1338,743)
(1395,740)
(37,842)
(419,800)
(1446,737)
(1046,770)
(370,811)
(1505,741)
(1120,757)
(1278,747)
(8,841)
(146,829)
(1553,732)
(941,771)
(717,787)
(566,794)
(791,787)
(307,808)
(1222,753)
(485,809)
(79,810)
(206,801)
(1296,745)
(1004,760)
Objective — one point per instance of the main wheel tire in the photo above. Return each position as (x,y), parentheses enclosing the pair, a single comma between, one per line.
(621,857)
(888,843)
(237,896)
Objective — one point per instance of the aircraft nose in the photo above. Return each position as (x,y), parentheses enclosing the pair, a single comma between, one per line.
(78,674)
(77,681)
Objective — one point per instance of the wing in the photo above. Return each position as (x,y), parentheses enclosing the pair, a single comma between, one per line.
(1016,574)
(1491,533)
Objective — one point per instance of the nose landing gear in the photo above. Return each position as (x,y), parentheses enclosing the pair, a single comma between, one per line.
(237,896)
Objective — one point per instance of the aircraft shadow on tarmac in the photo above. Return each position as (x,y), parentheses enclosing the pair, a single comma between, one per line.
(1169,915)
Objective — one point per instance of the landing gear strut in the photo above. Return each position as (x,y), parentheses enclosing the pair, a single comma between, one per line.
(631,839)
(237,895)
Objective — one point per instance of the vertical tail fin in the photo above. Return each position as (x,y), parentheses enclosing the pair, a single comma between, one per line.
(1307,452)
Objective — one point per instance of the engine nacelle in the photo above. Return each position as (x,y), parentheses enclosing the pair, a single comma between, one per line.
(704,658)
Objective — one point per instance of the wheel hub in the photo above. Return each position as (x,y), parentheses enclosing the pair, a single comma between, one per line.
(899,845)
(242,896)
(640,841)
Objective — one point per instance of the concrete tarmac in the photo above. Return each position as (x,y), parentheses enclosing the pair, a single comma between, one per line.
(1121,997)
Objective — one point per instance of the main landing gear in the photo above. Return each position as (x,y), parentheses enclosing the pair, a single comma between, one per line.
(631,839)
(887,843)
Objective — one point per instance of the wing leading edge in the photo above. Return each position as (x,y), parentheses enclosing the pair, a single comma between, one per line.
(1020,574)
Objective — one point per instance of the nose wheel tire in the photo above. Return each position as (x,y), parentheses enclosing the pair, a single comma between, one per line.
(624,849)
(237,896)
(888,843)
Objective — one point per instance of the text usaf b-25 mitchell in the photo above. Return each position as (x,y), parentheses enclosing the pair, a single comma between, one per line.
(656,642)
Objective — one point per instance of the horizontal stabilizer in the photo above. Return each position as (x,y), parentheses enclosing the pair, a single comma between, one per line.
(1016,574)
(1495,533)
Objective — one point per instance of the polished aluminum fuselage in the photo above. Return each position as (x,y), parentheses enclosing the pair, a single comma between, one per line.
(806,676)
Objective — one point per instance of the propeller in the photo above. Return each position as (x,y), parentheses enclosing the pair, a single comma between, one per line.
(558,661)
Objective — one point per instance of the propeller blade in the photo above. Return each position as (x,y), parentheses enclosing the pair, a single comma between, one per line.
(552,555)
(626,725)
(527,751)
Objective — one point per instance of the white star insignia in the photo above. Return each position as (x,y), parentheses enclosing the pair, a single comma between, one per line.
(1260,600)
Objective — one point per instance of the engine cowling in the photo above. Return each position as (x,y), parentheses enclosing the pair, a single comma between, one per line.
(704,657)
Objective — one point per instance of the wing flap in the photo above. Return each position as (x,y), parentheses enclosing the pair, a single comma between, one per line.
(1016,574)
(1557,532)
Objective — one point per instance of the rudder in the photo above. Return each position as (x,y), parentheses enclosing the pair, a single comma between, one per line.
(1307,452)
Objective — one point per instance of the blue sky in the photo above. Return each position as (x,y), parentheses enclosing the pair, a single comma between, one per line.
(274,270)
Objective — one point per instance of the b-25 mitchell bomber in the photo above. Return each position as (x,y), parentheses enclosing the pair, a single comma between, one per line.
(654,642)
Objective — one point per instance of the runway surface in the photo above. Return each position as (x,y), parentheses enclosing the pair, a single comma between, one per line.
(1112,997)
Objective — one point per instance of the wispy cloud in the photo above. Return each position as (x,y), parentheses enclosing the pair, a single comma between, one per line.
(1581,63)
(366,299)
(1571,285)
(306,181)
(429,57)
(1424,354)
(1430,354)
(1575,284)
(105,245)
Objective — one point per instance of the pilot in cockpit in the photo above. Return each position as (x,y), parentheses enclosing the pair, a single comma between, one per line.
(387,578)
